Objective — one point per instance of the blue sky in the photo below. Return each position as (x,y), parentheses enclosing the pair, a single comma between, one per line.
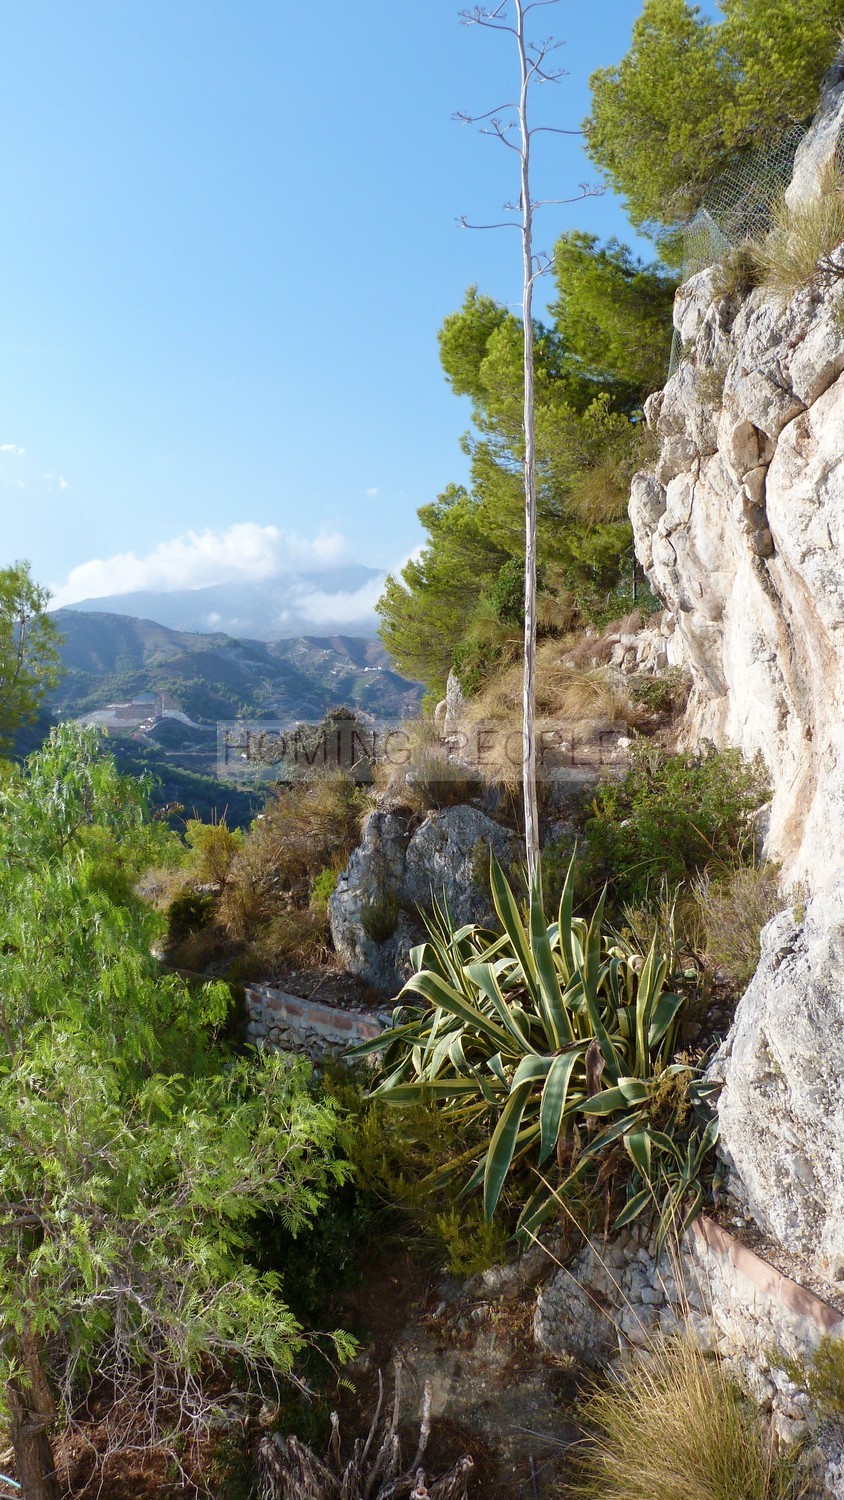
(230,239)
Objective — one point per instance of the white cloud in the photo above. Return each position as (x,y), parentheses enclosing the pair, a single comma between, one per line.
(13,449)
(357,608)
(372,493)
(245,553)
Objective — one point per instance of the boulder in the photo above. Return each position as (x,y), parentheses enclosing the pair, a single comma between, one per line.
(782,1103)
(394,872)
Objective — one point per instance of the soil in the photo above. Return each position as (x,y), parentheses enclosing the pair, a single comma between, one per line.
(496,1395)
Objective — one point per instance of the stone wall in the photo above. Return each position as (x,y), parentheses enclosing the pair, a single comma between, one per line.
(617,1297)
(292,1024)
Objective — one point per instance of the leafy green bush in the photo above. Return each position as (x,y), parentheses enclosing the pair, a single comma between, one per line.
(822,1378)
(324,886)
(664,693)
(670,816)
(561,1040)
(212,849)
(188,912)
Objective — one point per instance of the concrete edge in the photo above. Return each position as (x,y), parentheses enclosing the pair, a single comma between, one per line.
(767,1279)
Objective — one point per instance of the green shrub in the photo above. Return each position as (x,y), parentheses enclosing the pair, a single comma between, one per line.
(212,850)
(189,912)
(379,916)
(823,1379)
(674,1426)
(670,816)
(472,1243)
(324,886)
(664,693)
(560,1041)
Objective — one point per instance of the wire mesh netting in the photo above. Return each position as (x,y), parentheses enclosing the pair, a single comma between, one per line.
(737,207)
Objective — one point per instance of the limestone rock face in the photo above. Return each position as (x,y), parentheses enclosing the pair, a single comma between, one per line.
(740,527)
(393,872)
(782,1104)
(817,149)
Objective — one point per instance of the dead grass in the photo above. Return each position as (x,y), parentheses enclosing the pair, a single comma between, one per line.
(418,773)
(738,273)
(801,246)
(565,691)
(675,1426)
(732,908)
(304,828)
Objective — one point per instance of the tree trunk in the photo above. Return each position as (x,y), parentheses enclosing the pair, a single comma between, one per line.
(32,1411)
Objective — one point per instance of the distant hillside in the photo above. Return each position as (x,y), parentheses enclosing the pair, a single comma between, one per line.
(111,658)
(340,599)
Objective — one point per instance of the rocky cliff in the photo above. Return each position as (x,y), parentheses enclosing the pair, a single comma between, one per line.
(740,528)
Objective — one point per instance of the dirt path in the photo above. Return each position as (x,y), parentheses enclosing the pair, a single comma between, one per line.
(495,1394)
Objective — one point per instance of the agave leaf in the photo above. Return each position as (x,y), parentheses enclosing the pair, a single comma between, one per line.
(483,975)
(501,1147)
(612,1099)
(592,948)
(530,1069)
(651,981)
(508,912)
(664,1014)
(437,992)
(633,1208)
(551,996)
(607,1137)
(555,1097)
(638,1144)
(664,1142)
(564,922)
(377,1043)
(610,1056)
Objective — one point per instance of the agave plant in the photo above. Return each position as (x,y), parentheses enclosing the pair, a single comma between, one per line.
(564,1037)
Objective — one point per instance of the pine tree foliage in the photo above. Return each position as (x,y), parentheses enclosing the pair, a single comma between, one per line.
(604,348)
(691,93)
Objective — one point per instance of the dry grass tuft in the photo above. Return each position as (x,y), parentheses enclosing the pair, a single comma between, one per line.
(417,772)
(304,828)
(674,1426)
(733,907)
(801,246)
(738,273)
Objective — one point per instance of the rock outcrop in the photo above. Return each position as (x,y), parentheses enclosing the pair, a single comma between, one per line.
(394,872)
(740,528)
(782,1104)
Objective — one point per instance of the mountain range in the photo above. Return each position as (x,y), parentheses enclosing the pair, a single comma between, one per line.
(110,658)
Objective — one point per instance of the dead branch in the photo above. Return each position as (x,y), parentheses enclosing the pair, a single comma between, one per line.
(289,1470)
